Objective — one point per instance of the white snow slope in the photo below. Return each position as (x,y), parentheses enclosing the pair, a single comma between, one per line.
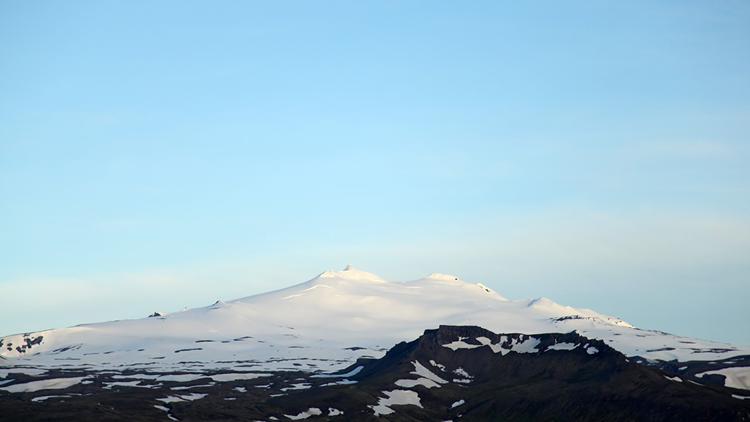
(325,324)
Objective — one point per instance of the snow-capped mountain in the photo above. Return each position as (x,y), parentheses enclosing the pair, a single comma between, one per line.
(329,322)
(342,347)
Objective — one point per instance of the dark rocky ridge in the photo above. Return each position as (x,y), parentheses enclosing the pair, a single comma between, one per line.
(554,385)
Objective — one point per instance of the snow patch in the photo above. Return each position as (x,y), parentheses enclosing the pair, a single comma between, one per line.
(188,387)
(237,376)
(334,412)
(298,386)
(528,345)
(181,398)
(136,383)
(170,399)
(406,383)
(460,344)
(351,373)
(313,411)
(342,382)
(166,409)
(234,376)
(733,377)
(562,346)
(180,378)
(43,398)
(426,373)
(393,398)
(49,384)
(462,372)
(426,378)
(194,396)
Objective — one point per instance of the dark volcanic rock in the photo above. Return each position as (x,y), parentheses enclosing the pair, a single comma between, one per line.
(554,385)
(483,376)
(563,384)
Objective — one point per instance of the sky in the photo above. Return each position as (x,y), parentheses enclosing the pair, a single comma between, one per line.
(162,155)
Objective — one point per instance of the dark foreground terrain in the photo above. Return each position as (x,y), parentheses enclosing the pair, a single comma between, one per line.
(452,373)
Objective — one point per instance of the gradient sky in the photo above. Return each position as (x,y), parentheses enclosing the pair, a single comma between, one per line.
(156,155)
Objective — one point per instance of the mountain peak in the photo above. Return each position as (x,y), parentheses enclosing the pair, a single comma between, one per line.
(352,273)
(443,277)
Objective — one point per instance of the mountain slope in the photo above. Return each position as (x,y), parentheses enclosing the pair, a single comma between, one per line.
(450,373)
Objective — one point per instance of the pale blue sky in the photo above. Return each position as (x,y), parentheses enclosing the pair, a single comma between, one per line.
(155,155)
